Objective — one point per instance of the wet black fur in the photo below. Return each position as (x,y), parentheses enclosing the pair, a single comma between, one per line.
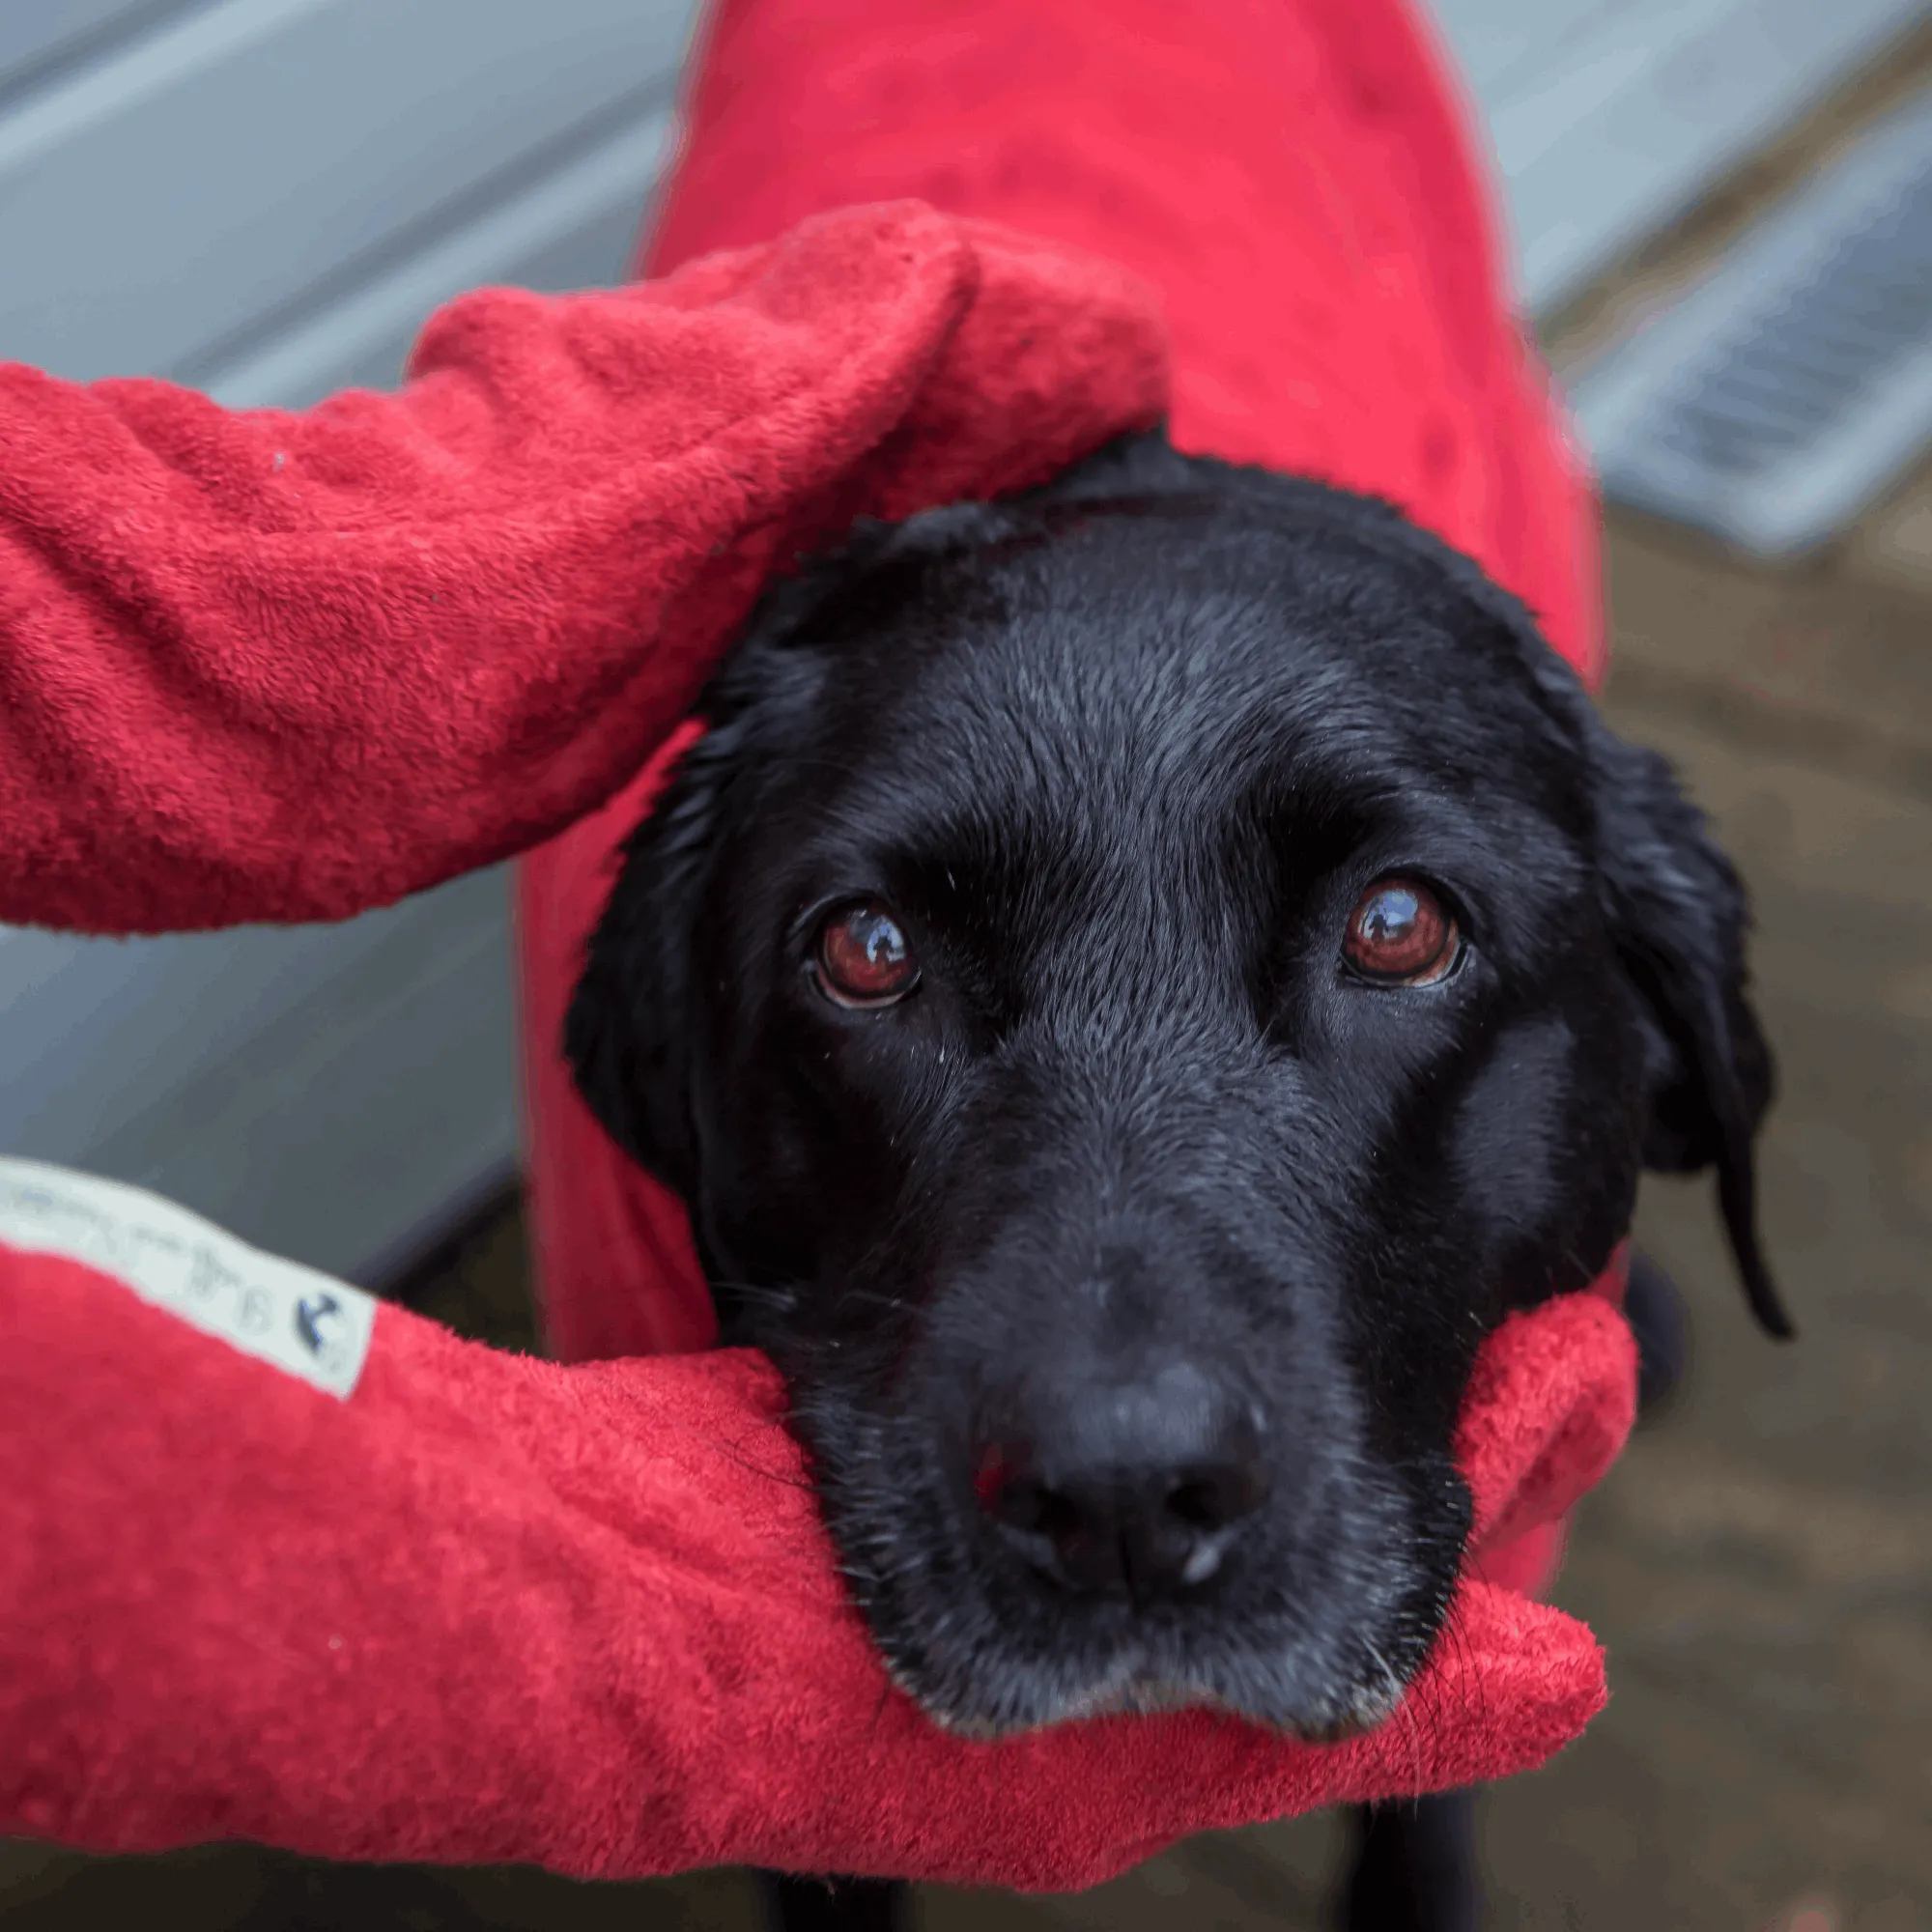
(1122,756)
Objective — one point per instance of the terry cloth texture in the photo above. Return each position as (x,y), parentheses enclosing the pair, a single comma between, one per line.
(278,666)
(489,1608)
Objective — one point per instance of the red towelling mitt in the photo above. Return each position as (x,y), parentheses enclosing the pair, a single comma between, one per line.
(267,665)
(487,1608)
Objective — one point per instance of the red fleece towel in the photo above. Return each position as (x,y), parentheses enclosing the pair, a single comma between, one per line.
(489,1608)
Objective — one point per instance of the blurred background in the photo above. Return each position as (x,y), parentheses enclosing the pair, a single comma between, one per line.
(1724,218)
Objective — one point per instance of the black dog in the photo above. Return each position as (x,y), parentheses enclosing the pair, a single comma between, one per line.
(1132,987)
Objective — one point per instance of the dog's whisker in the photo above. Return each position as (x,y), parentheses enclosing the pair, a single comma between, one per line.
(730,1452)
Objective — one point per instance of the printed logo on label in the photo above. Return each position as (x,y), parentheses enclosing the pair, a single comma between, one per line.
(303,1321)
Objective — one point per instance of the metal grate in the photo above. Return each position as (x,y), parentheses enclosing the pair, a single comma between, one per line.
(1774,401)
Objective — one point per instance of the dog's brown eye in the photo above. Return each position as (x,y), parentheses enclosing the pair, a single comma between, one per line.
(862,956)
(1401,935)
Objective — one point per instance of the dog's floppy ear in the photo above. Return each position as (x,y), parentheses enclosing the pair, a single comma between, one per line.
(628,1034)
(1677,913)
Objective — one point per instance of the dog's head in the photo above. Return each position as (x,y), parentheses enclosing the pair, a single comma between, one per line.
(1132,985)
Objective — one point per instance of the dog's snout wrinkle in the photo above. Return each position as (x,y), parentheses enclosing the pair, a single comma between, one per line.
(1131,1487)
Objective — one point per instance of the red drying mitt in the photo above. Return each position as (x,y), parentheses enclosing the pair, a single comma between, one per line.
(489,1608)
(277,666)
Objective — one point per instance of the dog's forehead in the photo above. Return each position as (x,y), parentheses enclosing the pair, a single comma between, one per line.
(1134,667)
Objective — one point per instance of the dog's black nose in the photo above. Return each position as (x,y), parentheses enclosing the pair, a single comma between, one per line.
(1138,1487)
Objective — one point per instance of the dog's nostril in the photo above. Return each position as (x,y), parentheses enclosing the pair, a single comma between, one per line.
(1147,1532)
(1200,1504)
(1212,1498)
(1034,1510)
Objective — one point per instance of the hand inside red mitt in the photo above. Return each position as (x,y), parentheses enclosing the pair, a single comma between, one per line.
(489,1608)
(266,666)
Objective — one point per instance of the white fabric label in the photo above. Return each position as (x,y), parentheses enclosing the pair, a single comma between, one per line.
(303,1322)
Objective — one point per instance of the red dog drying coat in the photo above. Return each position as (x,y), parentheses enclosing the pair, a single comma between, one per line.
(1293,179)
(278,1563)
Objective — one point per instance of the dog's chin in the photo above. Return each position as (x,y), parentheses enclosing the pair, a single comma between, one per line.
(1319,1657)
(1129,1692)
(1000,1697)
